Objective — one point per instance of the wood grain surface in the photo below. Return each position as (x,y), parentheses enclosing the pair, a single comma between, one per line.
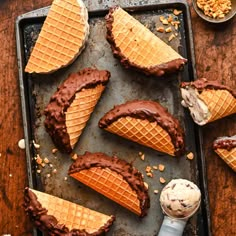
(215,50)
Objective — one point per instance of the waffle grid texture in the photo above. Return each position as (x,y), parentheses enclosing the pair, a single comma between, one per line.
(138,43)
(80,110)
(73,216)
(110,184)
(220,103)
(228,156)
(62,37)
(144,132)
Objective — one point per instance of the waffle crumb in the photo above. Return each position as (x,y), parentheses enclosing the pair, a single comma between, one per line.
(160,29)
(54,150)
(146,185)
(190,156)
(168,30)
(177,12)
(161,167)
(156,191)
(162,180)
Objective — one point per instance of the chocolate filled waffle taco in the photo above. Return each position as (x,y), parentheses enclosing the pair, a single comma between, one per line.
(55,216)
(147,123)
(208,101)
(137,47)
(225,147)
(114,178)
(70,107)
(62,37)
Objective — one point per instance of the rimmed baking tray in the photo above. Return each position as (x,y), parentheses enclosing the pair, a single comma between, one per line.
(124,85)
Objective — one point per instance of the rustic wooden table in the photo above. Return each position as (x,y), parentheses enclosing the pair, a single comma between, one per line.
(215,49)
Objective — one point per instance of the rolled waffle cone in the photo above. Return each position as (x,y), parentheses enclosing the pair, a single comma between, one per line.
(71,215)
(62,37)
(220,103)
(138,47)
(229,156)
(143,132)
(80,110)
(110,184)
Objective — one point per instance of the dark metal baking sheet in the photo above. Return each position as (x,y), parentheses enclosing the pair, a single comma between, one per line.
(124,85)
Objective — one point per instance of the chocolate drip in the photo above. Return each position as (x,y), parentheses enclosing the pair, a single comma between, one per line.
(48,223)
(130,174)
(151,111)
(157,70)
(227,143)
(203,83)
(63,97)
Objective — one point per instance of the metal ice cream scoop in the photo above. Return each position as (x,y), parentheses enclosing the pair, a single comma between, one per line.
(179,200)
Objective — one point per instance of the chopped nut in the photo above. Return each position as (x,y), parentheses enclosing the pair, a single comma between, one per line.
(155,167)
(177,12)
(142,157)
(161,167)
(162,180)
(54,150)
(54,171)
(48,175)
(170,18)
(168,30)
(156,191)
(162,18)
(39,160)
(43,164)
(37,146)
(171,37)
(74,157)
(165,22)
(38,171)
(190,156)
(148,169)
(145,184)
(149,174)
(50,165)
(46,160)
(160,29)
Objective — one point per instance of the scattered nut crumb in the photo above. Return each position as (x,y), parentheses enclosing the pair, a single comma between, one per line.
(149,174)
(54,171)
(155,167)
(168,30)
(176,34)
(148,169)
(145,184)
(48,175)
(142,157)
(39,160)
(54,150)
(161,167)
(74,157)
(37,146)
(190,156)
(50,165)
(170,18)
(21,144)
(46,160)
(140,153)
(156,191)
(38,171)
(65,178)
(171,37)
(162,180)
(160,29)
(165,22)
(177,12)
(43,164)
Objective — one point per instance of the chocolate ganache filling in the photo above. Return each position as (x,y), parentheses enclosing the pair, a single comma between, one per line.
(48,223)
(227,143)
(126,170)
(203,83)
(153,112)
(158,70)
(63,97)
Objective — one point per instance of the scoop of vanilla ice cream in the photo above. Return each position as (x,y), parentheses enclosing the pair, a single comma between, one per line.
(180,198)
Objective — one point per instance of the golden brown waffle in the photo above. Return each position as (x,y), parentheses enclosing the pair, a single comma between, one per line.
(80,110)
(62,37)
(137,46)
(220,103)
(72,215)
(229,156)
(144,132)
(110,184)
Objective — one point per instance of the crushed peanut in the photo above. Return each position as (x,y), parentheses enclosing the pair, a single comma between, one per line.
(46,161)
(148,169)
(161,167)
(54,150)
(171,37)
(215,8)
(48,175)
(149,174)
(142,157)
(39,160)
(160,29)
(190,156)
(168,30)
(162,180)
(156,191)
(177,12)
(145,184)
(155,167)
(74,157)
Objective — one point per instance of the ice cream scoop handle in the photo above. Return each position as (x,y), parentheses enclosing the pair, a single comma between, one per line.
(172,227)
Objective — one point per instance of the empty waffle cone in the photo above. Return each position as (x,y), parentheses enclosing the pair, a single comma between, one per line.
(71,106)
(147,123)
(225,147)
(56,216)
(208,100)
(114,178)
(137,47)
(62,37)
